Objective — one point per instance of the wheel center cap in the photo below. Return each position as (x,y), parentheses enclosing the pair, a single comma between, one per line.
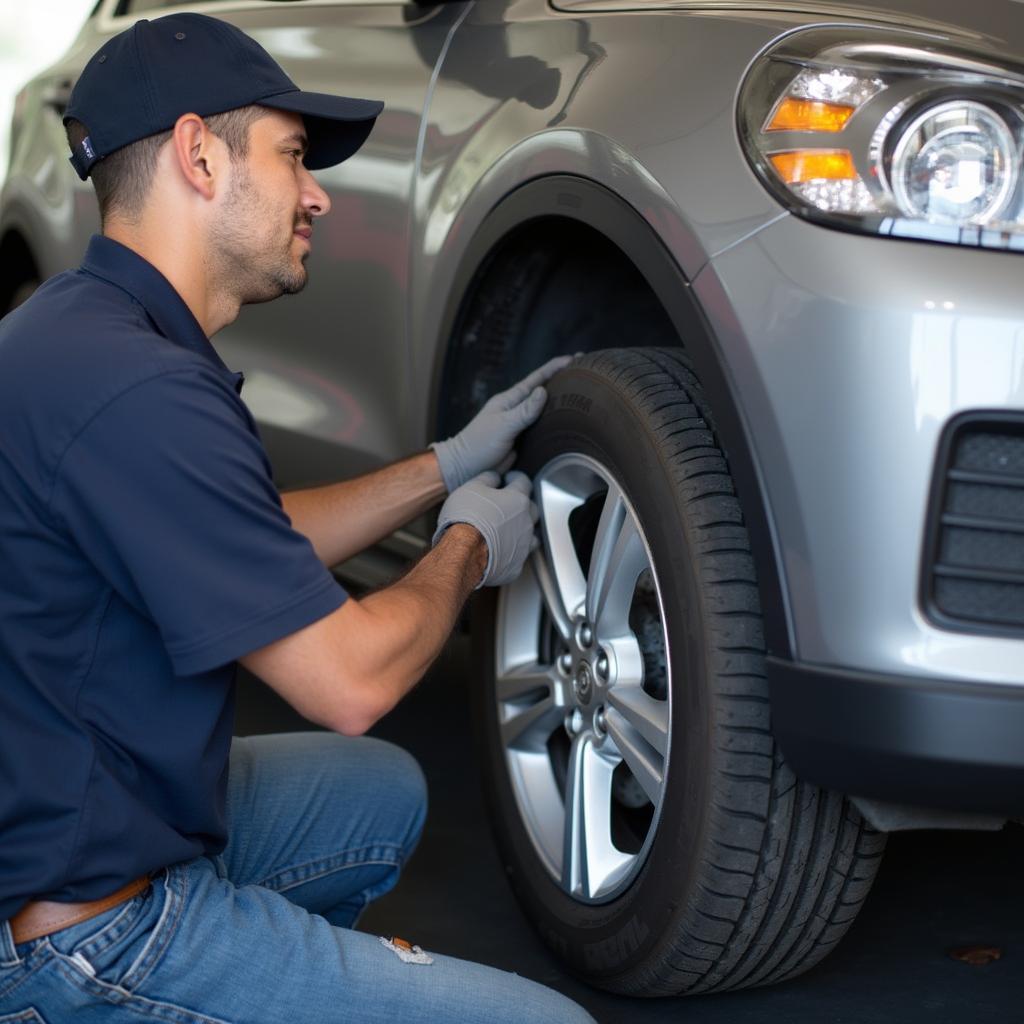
(584,684)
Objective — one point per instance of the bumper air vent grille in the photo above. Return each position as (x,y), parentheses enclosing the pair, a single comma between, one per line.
(975,573)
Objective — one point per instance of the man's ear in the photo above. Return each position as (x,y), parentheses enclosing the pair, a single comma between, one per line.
(196,154)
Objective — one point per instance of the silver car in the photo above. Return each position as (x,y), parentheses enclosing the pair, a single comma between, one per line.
(778,609)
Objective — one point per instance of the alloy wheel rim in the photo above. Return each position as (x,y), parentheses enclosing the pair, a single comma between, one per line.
(571,671)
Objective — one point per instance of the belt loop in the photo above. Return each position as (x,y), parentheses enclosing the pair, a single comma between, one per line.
(8,954)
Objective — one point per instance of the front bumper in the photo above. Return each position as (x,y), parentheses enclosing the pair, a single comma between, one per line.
(849,356)
(925,742)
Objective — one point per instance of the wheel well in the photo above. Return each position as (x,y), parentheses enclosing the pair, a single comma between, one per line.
(19,266)
(553,286)
(563,265)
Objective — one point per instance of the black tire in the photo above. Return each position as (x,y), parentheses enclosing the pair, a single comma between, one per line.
(753,876)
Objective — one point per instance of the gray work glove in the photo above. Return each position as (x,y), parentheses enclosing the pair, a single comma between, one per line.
(486,441)
(504,515)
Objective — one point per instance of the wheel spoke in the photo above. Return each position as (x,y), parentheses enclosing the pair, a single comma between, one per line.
(625,658)
(549,592)
(555,504)
(616,563)
(646,764)
(522,680)
(645,714)
(574,850)
(609,526)
(529,726)
(589,859)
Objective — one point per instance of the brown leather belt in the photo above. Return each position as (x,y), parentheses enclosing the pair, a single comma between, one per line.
(41,917)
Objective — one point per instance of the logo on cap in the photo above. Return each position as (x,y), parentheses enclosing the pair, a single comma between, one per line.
(87,146)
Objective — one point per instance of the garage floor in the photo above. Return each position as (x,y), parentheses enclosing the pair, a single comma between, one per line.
(935,891)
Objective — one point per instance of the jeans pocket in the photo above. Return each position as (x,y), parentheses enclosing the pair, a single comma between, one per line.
(28,1016)
(110,954)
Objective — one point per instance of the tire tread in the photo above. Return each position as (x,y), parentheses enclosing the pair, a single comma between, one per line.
(812,858)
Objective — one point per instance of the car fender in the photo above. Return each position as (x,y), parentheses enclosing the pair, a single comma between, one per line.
(588,201)
(22,217)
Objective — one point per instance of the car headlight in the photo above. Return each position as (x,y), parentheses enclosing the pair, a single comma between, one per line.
(955,162)
(887,136)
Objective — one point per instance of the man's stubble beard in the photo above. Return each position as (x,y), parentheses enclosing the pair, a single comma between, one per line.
(247,262)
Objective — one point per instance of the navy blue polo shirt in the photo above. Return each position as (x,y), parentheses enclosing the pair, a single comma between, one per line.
(143,548)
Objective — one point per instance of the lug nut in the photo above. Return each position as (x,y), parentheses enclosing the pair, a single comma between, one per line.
(574,723)
(599,722)
(602,666)
(565,663)
(586,635)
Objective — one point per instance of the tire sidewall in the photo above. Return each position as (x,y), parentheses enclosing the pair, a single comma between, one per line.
(588,414)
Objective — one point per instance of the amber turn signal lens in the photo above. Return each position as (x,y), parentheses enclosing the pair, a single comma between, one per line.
(793,115)
(801,165)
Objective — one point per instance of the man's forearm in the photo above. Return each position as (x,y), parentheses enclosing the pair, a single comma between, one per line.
(345,518)
(347,669)
(415,615)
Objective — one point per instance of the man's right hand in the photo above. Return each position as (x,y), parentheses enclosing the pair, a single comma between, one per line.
(486,442)
(505,516)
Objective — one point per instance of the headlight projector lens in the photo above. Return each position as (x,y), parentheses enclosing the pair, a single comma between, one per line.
(955,163)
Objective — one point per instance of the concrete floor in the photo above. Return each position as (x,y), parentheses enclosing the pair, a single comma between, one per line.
(935,891)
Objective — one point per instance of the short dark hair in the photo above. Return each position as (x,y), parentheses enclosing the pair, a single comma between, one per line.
(122,180)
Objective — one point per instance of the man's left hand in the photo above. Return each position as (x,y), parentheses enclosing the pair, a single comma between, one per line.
(486,441)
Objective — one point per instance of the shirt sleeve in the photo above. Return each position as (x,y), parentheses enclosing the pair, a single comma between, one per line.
(168,491)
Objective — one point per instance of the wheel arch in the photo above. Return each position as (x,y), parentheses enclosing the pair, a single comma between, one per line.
(563,197)
(19,263)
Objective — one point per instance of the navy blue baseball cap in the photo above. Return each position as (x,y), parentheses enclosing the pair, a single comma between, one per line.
(142,80)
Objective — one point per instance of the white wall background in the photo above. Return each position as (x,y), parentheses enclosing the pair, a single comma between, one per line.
(33,34)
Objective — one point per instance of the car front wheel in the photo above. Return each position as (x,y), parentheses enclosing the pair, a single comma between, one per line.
(649,824)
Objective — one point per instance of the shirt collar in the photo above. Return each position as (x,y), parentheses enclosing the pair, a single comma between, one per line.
(126,269)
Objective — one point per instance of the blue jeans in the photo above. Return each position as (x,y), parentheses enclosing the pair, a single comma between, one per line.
(318,826)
